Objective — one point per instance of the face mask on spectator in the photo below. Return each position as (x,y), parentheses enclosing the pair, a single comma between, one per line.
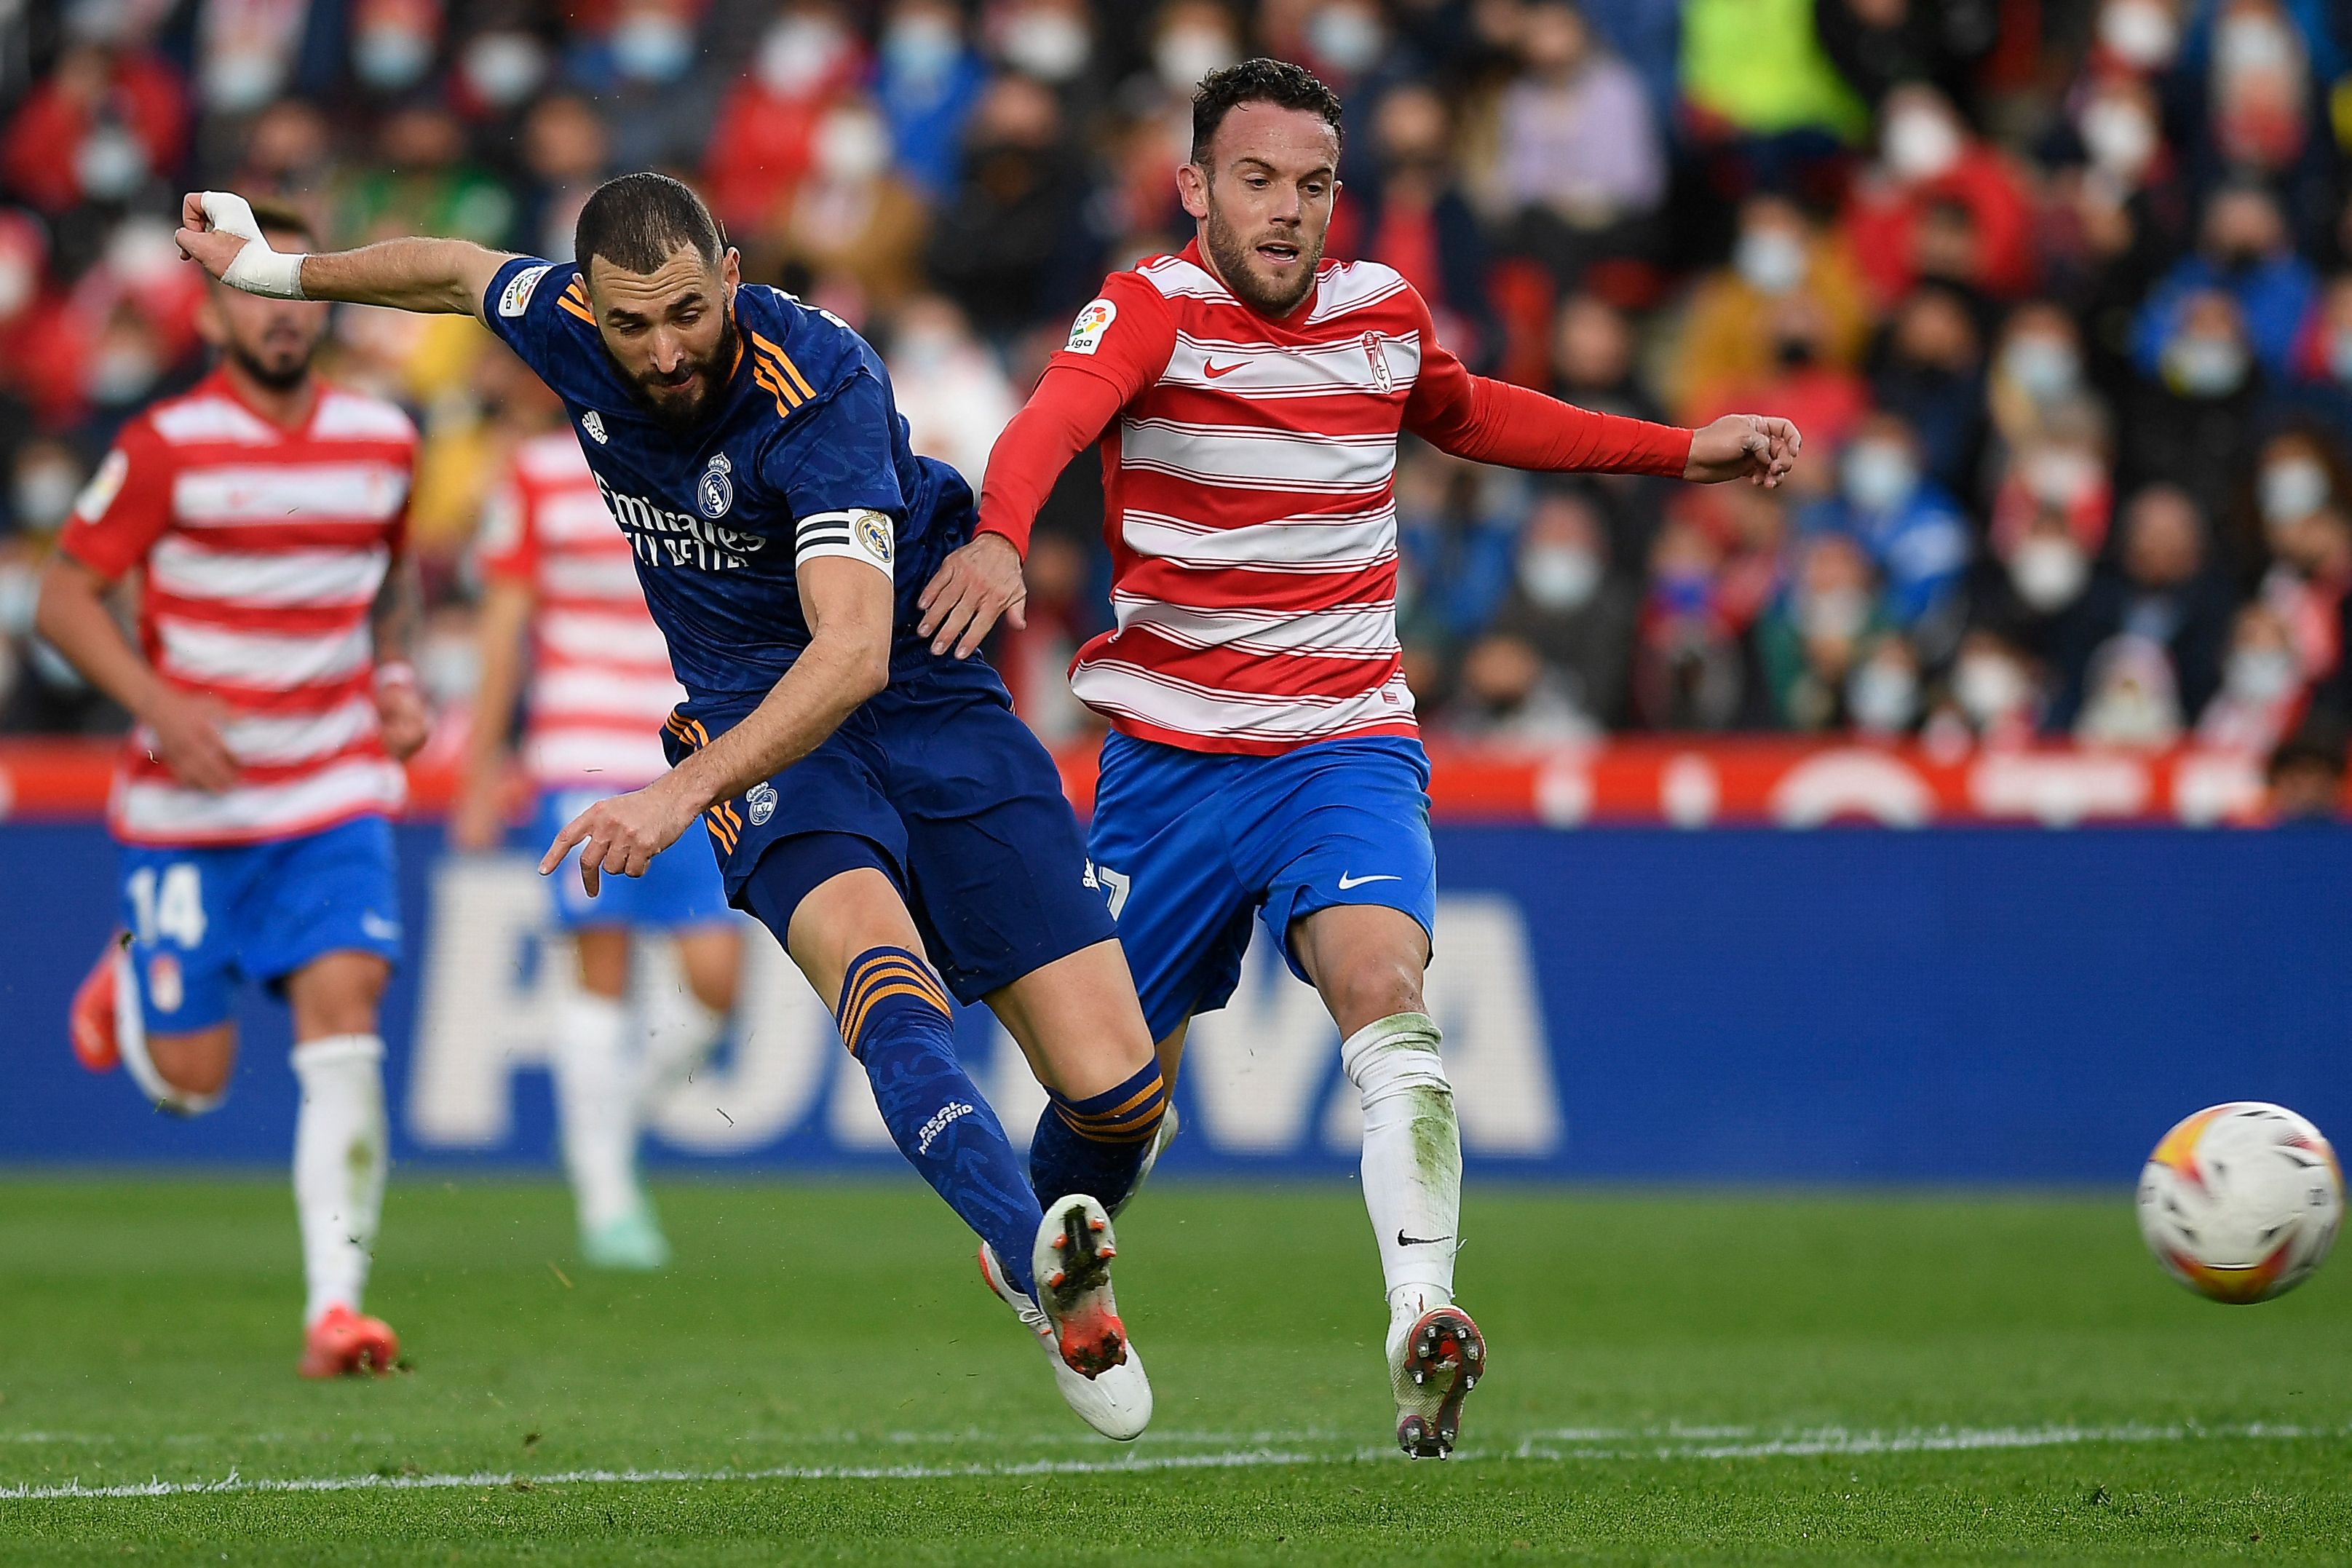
(1184,55)
(2141,33)
(1348,38)
(1560,576)
(2205,366)
(110,163)
(505,68)
(1051,45)
(2292,489)
(2049,572)
(390,58)
(653,45)
(1833,615)
(797,54)
(121,373)
(2262,676)
(2119,136)
(1921,144)
(1773,260)
(922,45)
(2044,368)
(2253,43)
(18,280)
(1882,696)
(1880,476)
(2059,478)
(239,78)
(1794,354)
(1987,687)
(852,147)
(43,494)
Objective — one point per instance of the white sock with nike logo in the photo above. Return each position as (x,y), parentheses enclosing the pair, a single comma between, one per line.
(1412,1156)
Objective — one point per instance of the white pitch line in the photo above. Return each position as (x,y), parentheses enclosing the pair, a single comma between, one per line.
(1583,1443)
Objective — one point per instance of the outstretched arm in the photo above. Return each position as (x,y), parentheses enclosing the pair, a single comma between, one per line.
(444,277)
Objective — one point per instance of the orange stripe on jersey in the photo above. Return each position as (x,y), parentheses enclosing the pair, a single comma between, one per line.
(766,377)
(784,361)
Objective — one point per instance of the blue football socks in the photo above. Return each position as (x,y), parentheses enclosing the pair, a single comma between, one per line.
(1097,1145)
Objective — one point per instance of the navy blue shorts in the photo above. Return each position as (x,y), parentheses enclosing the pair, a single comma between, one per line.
(936,784)
(1193,844)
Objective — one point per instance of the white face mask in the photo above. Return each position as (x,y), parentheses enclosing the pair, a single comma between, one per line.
(141,252)
(653,46)
(43,494)
(1560,576)
(797,54)
(2049,572)
(121,373)
(1921,144)
(1184,55)
(390,58)
(2120,136)
(2247,43)
(20,592)
(1989,686)
(922,46)
(853,147)
(1883,697)
(239,79)
(505,68)
(2262,676)
(1349,38)
(111,163)
(1879,476)
(1051,45)
(2061,479)
(1773,260)
(2205,367)
(1834,615)
(2291,490)
(2044,368)
(2141,33)
(18,280)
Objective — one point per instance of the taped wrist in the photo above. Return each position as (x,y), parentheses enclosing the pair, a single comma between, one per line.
(256,269)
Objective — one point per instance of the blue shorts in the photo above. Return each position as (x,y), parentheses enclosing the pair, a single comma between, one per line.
(935,782)
(676,891)
(202,920)
(1191,844)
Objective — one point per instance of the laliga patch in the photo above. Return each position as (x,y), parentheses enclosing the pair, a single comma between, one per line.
(715,492)
(516,297)
(873,531)
(103,486)
(1086,331)
(760,804)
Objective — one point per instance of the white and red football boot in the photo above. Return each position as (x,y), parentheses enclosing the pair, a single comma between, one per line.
(344,1344)
(1434,1361)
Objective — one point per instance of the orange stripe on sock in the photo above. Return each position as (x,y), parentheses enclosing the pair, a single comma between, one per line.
(872,974)
(1098,1118)
(896,988)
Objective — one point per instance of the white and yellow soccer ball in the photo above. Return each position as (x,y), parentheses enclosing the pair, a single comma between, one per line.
(2240,1202)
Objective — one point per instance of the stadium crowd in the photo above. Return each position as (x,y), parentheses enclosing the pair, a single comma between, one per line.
(2060,292)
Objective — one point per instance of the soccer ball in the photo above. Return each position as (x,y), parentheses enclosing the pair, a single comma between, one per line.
(2241,1201)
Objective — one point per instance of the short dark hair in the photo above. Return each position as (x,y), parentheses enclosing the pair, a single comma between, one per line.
(1259,80)
(273,215)
(637,222)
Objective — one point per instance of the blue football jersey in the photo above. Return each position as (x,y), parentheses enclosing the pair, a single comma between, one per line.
(804,436)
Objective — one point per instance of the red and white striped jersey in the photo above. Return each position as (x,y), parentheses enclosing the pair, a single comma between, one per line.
(264,548)
(600,684)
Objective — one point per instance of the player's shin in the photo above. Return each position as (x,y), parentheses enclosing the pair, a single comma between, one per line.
(1097,1145)
(1412,1156)
(894,1017)
(338,1165)
(596,1107)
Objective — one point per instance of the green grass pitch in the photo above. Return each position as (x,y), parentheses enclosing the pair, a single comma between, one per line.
(1677,1378)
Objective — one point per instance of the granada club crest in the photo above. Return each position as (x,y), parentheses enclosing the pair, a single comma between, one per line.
(715,492)
(1382,379)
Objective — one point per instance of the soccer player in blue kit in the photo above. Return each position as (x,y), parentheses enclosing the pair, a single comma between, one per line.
(876,805)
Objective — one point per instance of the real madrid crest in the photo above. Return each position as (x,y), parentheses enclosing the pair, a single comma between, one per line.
(715,492)
(1382,379)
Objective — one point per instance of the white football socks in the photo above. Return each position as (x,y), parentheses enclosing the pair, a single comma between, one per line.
(1413,1157)
(338,1165)
(680,1035)
(130,1040)
(596,1108)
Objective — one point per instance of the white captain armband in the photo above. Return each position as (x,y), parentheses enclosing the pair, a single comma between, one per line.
(858,534)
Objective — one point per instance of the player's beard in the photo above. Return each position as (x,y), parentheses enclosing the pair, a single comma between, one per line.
(1235,258)
(277,372)
(678,415)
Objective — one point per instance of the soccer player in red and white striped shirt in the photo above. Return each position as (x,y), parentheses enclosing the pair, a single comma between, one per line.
(265,510)
(598,690)
(1263,755)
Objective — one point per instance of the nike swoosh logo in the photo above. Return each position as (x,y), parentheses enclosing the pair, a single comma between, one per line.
(1404,1240)
(1212,369)
(1347,881)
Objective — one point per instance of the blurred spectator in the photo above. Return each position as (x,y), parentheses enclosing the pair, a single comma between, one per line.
(1994,696)
(1457,523)
(759,144)
(425,183)
(2048,522)
(564,156)
(2305,775)
(1930,369)
(2193,425)
(393,44)
(110,115)
(2296,475)
(1813,642)
(1799,382)
(2244,252)
(1879,44)
(1755,77)
(2164,596)
(1581,165)
(1416,219)
(1507,692)
(2037,374)
(1726,331)
(853,224)
(1688,672)
(1568,604)
(1939,201)
(1910,528)
(928,78)
(2262,685)
(1013,243)
(949,386)
(2128,697)
(654,84)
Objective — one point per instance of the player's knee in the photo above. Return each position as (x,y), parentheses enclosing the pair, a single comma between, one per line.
(1373,986)
(194,1070)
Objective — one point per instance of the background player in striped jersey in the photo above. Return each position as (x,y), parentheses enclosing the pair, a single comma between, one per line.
(265,509)
(1264,756)
(555,571)
(879,808)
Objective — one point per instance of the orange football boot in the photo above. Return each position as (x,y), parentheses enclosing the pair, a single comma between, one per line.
(344,1343)
(90,1020)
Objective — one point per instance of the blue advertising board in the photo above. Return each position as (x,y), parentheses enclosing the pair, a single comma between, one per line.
(1955,1006)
